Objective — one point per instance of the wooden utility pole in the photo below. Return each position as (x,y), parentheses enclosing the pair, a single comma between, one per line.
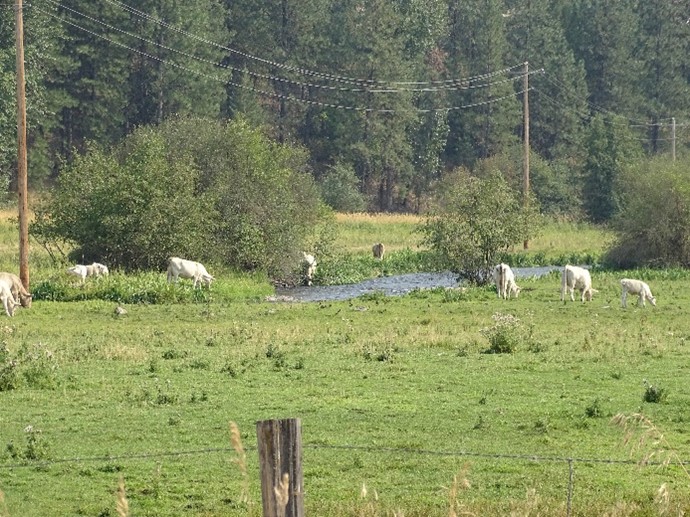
(525,168)
(21,153)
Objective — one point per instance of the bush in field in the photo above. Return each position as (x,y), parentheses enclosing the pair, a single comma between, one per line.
(131,207)
(200,189)
(475,219)
(653,394)
(268,207)
(653,228)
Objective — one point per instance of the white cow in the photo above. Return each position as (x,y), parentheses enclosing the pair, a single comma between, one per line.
(96,269)
(639,288)
(504,278)
(7,298)
(378,250)
(309,267)
(576,278)
(178,267)
(18,290)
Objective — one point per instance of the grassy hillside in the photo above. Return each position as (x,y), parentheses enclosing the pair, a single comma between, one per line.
(400,396)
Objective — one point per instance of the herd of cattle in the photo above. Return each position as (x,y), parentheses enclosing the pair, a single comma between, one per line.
(13,293)
(573,278)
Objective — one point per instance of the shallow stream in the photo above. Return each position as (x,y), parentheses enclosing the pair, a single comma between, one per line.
(395,285)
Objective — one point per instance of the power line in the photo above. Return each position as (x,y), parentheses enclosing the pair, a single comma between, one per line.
(374,90)
(304,71)
(273,94)
(630,122)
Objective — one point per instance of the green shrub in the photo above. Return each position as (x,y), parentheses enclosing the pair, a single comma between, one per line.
(653,228)
(222,193)
(131,207)
(36,446)
(475,219)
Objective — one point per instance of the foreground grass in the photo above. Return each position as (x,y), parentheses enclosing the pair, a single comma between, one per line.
(397,394)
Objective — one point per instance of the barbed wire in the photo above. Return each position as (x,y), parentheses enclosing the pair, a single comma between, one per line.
(365,448)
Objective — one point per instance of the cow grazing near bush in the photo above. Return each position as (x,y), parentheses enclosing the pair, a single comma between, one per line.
(378,250)
(638,287)
(178,267)
(575,277)
(309,267)
(504,278)
(17,288)
(83,271)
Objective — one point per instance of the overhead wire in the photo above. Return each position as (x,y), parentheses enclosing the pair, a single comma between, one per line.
(263,92)
(304,71)
(454,87)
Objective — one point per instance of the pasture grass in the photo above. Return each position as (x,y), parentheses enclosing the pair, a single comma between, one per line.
(405,409)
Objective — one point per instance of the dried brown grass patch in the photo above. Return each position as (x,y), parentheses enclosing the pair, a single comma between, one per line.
(123,352)
(378,218)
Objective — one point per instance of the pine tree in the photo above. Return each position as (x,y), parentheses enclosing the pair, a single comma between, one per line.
(610,147)
(558,94)
(664,49)
(602,36)
(44,58)
(476,46)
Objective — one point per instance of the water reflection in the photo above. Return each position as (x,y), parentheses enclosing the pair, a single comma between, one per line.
(390,285)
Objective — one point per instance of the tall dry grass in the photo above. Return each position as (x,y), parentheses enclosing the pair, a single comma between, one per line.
(122,505)
(241,460)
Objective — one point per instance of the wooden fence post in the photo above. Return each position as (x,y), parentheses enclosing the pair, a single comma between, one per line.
(280,464)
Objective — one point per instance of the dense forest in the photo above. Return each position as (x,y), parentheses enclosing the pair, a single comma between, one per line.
(387,96)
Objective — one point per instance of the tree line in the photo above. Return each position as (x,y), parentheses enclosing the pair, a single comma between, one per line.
(387,97)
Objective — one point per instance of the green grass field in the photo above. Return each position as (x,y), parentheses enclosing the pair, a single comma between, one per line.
(395,394)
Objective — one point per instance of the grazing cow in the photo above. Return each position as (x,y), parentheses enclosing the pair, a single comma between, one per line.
(639,288)
(576,278)
(8,300)
(96,269)
(378,250)
(18,290)
(309,267)
(178,267)
(504,278)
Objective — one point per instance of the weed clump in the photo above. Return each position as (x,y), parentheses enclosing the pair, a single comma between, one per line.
(654,394)
(505,335)
(34,366)
(36,446)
